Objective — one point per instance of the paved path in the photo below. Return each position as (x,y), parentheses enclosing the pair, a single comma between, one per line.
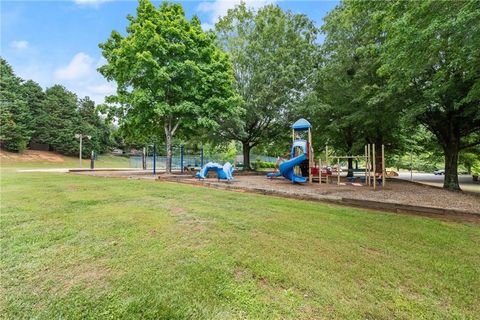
(61,170)
(66,170)
(466,182)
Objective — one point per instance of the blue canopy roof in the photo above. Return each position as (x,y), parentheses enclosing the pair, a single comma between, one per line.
(301,124)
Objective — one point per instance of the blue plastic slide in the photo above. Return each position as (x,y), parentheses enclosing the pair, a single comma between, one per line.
(286,168)
(223,172)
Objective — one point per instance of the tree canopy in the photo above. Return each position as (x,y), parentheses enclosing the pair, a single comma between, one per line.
(388,67)
(399,73)
(273,53)
(432,56)
(169,74)
(15,117)
(52,117)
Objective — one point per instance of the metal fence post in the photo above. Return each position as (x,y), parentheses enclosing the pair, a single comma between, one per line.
(171,159)
(181,158)
(201,157)
(154,158)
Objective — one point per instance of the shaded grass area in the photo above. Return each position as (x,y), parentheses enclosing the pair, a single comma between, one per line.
(84,247)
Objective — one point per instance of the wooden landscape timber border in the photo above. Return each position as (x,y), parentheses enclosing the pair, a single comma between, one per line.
(423,184)
(450,214)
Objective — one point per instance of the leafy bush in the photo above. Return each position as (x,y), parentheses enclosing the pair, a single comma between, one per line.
(259,164)
(476,168)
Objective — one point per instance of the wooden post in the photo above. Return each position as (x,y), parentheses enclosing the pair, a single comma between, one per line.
(383,165)
(366,164)
(293,135)
(338,171)
(320,171)
(373,167)
(326,154)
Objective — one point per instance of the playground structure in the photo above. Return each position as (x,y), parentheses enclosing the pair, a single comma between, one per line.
(371,177)
(301,156)
(302,168)
(223,172)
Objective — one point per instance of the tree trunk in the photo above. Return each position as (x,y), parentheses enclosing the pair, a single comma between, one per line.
(168,162)
(350,167)
(451,164)
(378,158)
(169,132)
(246,155)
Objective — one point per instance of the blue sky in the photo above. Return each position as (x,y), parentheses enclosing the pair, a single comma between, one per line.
(57,41)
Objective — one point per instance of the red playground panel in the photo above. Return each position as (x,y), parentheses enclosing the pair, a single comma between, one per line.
(325,171)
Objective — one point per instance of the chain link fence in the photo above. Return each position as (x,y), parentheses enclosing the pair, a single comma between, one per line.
(189,159)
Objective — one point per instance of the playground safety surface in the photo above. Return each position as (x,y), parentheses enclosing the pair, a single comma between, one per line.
(396,196)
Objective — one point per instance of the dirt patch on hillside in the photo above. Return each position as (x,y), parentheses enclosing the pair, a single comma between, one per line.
(31,156)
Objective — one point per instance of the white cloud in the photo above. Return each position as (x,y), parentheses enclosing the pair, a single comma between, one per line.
(219,8)
(80,76)
(31,69)
(91,3)
(81,66)
(102,89)
(207,26)
(19,45)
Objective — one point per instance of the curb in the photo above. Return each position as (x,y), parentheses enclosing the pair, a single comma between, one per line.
(105,169)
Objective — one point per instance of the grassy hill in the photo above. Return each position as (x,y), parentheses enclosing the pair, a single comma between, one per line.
(35,158)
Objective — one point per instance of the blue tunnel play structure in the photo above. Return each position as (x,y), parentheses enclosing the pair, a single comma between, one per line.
(223,172)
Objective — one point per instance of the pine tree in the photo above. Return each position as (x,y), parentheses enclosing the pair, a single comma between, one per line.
(94,126)
(34,97)
(14,113)
(63,121)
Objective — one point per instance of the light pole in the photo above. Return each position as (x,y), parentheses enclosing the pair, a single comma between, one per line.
(81,136)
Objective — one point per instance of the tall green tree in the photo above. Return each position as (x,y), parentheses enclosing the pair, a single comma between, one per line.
(63,121)
(34,96)
(357,106)
(15,130)
(169,73)
(273,53)
(92,124)
(432,56)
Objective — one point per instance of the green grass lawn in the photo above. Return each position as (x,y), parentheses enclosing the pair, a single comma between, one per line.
(76,247)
